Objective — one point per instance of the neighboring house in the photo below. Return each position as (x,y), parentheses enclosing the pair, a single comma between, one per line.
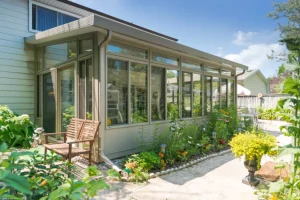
(59,60)
(254,81)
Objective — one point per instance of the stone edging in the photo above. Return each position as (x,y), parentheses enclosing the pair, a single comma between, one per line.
(188,164)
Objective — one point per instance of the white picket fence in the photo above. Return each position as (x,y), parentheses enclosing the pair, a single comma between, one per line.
(267,101)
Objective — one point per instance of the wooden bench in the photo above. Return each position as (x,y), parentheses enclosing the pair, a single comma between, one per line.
(78,131)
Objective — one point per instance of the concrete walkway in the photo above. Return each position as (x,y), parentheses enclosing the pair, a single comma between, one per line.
(214,179)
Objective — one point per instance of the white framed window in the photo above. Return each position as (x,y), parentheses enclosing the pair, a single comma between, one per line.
(43,17)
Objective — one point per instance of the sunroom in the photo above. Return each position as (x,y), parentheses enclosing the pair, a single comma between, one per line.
(127,78)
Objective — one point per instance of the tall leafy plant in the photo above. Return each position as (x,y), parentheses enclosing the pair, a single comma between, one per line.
(291,86)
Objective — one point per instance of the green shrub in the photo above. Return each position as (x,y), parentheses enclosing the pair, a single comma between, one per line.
(15,131)
(146,160)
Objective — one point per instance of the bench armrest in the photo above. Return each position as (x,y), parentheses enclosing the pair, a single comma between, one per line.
(79,141)
(47,134)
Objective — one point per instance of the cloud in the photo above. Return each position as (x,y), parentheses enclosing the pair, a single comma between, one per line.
(220,52)
(255,55)
(242,38)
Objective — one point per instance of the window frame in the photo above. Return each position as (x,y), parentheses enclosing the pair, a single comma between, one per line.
(129,61)
(116,42)
(32,2)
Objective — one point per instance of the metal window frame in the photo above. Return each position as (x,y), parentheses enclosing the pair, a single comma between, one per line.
(32,2)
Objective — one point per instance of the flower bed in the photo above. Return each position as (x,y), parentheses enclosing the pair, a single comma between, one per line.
(182,145)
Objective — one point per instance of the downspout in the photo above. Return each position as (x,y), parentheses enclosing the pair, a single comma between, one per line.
(235,79)
(103,156)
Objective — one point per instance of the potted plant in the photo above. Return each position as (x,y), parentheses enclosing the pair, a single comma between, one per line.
(253,145)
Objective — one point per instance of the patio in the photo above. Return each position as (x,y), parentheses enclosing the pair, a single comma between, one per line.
(214,179)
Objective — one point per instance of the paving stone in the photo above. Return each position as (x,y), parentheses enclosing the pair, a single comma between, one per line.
(269,173)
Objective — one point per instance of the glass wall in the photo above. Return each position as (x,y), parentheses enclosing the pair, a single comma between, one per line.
(138,96)
(231,91)
(165,59)
(49,113)
(207,94)
(67,97)
(186,94)
(172,94)
(85,89)
(203,89)
(197,95)
(117,92)
(58,53)
(127,50)
(158,93)
(224,89)
(216,93)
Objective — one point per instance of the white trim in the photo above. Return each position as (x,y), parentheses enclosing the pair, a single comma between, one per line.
(32,2)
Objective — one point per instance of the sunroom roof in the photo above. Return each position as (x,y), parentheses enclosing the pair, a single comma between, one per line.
(95,23)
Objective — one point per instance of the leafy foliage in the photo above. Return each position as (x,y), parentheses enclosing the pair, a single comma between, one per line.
(15,131)
(34,178)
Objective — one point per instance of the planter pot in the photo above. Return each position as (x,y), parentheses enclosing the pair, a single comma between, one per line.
(222,141)
(251,165)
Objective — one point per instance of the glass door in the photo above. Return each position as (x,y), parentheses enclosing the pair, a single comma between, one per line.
(66,88)
(49,107)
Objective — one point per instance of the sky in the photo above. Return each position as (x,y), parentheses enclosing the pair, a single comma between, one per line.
(238,30)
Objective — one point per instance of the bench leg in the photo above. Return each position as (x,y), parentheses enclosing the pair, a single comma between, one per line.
(90,159)
(45,154)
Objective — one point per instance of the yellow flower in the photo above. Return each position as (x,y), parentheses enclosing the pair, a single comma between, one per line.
(108,121)
(43,183)
(273,198)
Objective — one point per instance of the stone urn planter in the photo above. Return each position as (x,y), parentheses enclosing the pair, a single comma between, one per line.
(250,179)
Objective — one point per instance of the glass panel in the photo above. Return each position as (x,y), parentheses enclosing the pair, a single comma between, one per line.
(85,46)
(226,72)
(45,19)
(89,89)
(191,66)
(64,19)
(49,113)
(223,96)
(231,91)
(127,50)
(207,93)
(216,93)
(82,94)
(197,95)
(186,94)
(172,94)
(165,59)
(58,53)
(85,89)
(117,92)
(138,98)
(212,70)
(67,97)
(158,93)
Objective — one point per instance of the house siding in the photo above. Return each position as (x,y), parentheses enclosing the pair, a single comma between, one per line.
(17,68)
(255,84)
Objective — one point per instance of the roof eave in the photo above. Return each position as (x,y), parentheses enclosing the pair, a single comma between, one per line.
(94,23)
